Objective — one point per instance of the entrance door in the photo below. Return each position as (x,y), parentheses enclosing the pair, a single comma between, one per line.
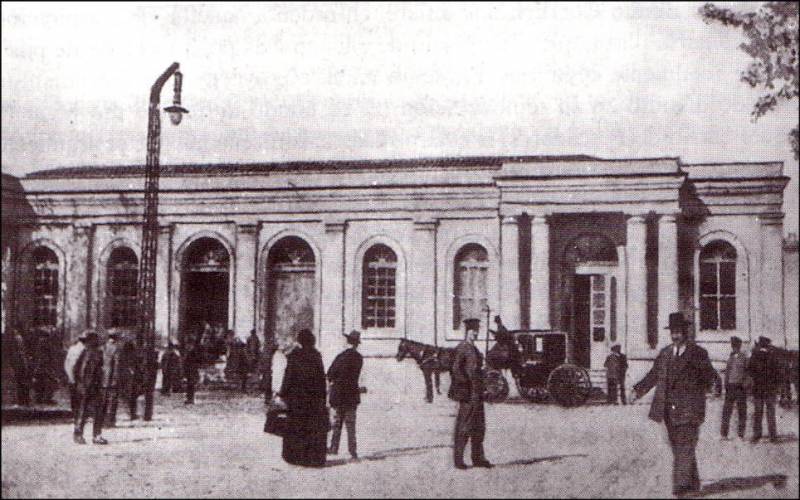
(581,352)
(205,300)
(595,322)
(204,289)
(291,289)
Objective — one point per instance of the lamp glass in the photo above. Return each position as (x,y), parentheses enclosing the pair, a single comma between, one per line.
(175,117)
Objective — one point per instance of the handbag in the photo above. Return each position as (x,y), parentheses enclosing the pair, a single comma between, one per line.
(277,422)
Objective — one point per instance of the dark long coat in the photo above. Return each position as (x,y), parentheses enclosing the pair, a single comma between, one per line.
(765,370)
(688,380)
(466,374)
(343,374)
(304,393)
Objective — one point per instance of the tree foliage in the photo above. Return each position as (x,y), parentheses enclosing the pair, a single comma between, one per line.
(772,34)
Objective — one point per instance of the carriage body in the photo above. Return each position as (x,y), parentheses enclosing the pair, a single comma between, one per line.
(537,362)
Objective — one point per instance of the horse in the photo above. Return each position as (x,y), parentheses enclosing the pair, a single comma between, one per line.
(431,360)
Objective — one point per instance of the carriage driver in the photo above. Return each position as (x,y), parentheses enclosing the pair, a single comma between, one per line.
(467,388)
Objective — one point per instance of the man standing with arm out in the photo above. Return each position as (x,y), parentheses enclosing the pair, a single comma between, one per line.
(681,374)
(467,388)
(735,389)
(344,393)
(71,359)
(108,394)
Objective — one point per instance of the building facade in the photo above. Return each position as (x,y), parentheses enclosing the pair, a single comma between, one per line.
(603,250)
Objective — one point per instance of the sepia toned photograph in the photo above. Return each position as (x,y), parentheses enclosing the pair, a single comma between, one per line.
(400,250)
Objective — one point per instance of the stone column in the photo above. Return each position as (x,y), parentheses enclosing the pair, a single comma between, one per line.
(667,268)
(771,279)
(78,284)
(422,285)
(540,273)
(163,278)
(509,288)
(332,315)
(636,238)
(244,298)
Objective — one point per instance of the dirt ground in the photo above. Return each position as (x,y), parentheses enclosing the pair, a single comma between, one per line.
(217,449)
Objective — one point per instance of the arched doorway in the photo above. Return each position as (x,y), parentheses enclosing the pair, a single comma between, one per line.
(589,279)
(291,288)
(205,287)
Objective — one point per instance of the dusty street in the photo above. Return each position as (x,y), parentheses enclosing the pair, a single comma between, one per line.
(217,448)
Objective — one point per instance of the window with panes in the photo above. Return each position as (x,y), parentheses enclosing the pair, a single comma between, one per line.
(471,268)
(45,287)
(379,288)
(122,278)
(718,286)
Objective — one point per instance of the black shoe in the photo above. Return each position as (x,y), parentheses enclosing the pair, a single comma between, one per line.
(134,417)
(78,439)
(99,440)
(774,439)
(354,456)
(461,466)
(755,439)
(331,451)
(482,463)
(188,402)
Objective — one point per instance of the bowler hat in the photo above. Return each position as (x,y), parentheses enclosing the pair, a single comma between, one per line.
(764,341)
(736,340)
(84,334)
(616,347)
(472,324)
(676,320)
(91,336)
(354,337)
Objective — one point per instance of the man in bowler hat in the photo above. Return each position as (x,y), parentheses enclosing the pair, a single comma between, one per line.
(344,394)
(681,374)
(765,371)
(466,387)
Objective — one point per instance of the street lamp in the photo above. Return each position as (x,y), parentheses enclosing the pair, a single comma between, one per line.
(147,264)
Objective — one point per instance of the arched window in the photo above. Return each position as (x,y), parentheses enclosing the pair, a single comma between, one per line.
(123,274)
(718,286)
(471,268)
(45,287)
(379,288)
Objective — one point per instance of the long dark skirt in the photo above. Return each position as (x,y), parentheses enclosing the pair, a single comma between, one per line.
(306,442)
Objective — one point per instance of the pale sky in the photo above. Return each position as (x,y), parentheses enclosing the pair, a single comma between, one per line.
(276,82)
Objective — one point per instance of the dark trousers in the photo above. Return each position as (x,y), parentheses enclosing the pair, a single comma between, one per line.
(266,382)
(43,388)
(110,403)
(616,387)
(74,399)
(166,382)
(683,439)
(759,402)
(243,376)
(346,416)
(23,393)
(90,404)
(191,379)
(470,426)
(735,394)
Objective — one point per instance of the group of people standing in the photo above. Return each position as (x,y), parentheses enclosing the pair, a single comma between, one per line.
(35,359)
(304,394)
(99,373)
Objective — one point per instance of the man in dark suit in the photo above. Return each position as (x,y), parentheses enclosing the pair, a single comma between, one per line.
(467,388)
(88,374)
(344,395)
(765,372)
(681,374)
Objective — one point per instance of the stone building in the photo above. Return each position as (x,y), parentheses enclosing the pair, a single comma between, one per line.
(601,249)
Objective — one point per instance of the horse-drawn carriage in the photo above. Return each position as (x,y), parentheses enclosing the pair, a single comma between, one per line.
(535,358)
(537,362)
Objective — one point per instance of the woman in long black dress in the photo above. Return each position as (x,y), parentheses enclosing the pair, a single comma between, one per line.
(304,392)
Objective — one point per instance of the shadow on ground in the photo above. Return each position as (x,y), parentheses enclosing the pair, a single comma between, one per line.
(383,455)
(530,461)
(730,484)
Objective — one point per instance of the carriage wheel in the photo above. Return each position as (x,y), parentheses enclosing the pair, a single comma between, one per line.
(534,394)
(569,385)
(496,387)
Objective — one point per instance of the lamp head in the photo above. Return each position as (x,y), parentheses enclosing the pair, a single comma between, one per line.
(176,113)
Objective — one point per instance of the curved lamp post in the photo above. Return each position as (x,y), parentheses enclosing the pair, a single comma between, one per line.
(147,263)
